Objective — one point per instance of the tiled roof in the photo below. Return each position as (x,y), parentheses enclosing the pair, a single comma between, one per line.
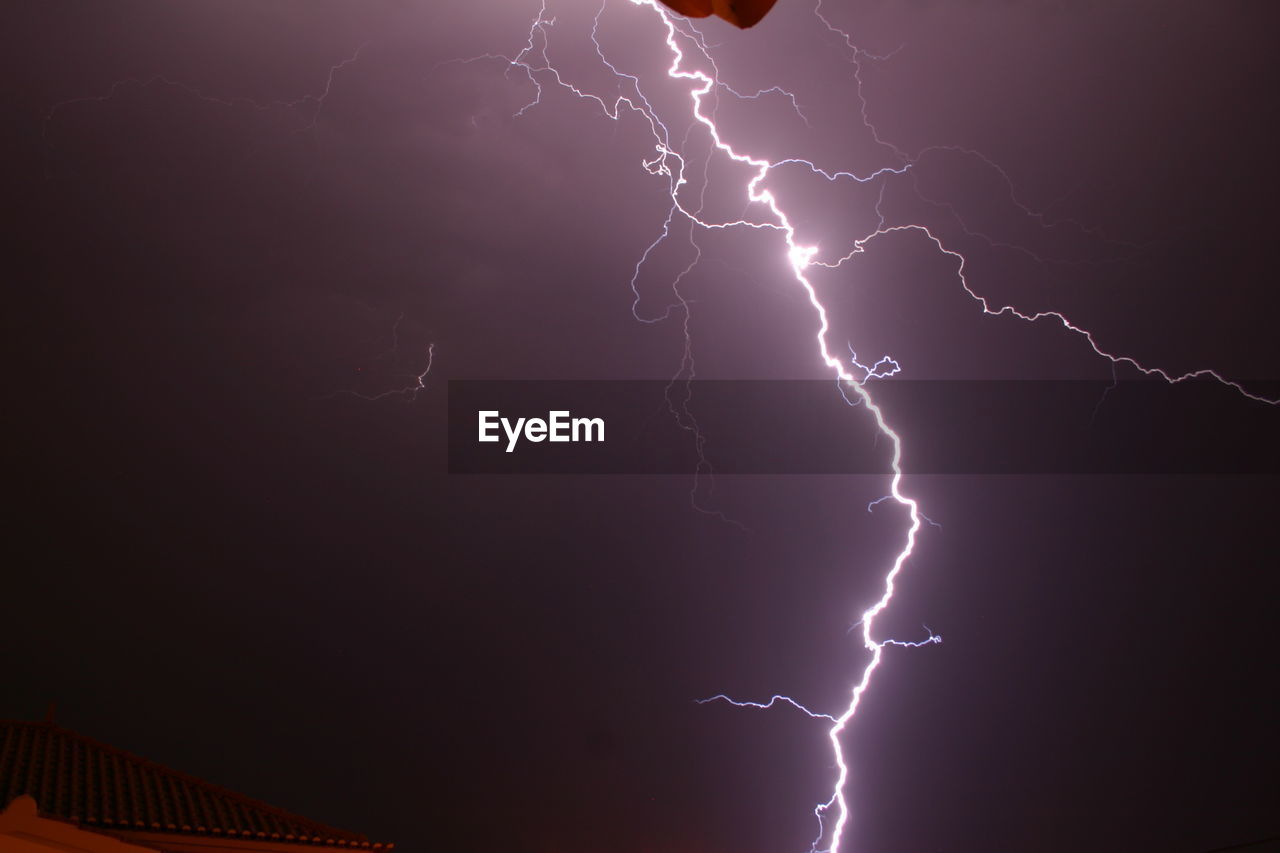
(76,779)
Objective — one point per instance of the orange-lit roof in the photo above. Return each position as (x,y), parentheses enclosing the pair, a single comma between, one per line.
(75,779)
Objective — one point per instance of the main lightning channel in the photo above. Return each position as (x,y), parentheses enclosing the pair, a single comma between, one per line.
(670,164)
(801,257)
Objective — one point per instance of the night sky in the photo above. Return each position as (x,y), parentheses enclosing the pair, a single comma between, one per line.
(231,551)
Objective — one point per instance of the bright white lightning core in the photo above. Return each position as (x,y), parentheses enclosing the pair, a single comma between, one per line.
(832,815)
(669,163)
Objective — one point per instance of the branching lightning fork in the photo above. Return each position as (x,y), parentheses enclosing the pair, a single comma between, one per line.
(853,376)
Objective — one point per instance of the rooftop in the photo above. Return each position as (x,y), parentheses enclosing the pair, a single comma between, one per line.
(82,781)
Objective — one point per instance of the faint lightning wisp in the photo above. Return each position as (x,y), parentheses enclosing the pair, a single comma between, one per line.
(316,101)
(853,376)
(408,392)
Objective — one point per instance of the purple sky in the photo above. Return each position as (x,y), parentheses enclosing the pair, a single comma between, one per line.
(225,565)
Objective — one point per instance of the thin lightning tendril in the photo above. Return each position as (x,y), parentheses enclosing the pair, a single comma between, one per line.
(164,81)
(853,376)
(408,392)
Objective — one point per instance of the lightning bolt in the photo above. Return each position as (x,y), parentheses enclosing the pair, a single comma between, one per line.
(853,376)
(669,163)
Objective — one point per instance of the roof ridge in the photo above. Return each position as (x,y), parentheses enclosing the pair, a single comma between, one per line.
(211,787)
